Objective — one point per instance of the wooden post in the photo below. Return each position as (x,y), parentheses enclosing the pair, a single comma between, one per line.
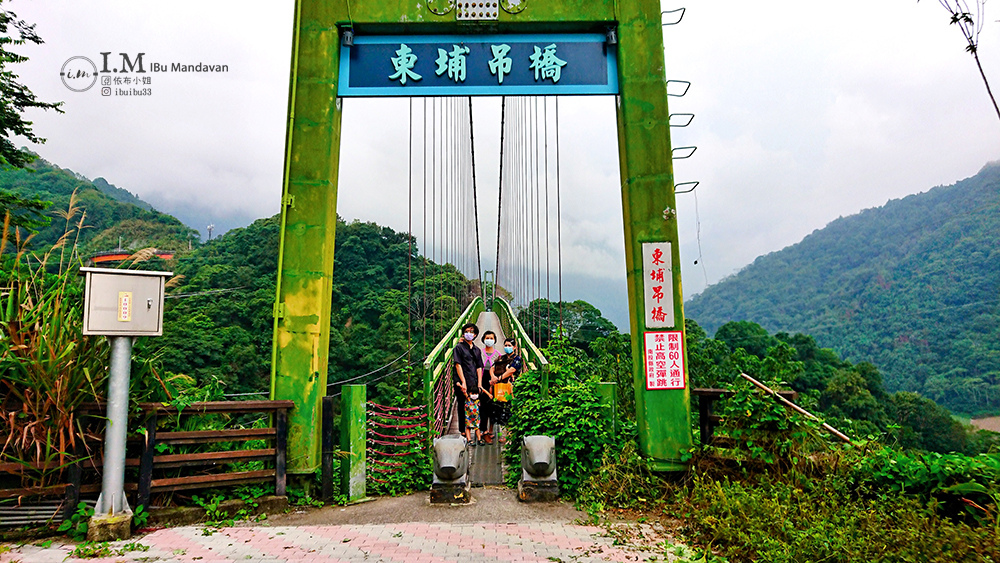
(326,474)
(280,449)
(75,477)
(353,440)
(705,419)
(147,460)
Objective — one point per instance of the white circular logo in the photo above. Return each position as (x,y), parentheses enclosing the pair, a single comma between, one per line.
(78,74)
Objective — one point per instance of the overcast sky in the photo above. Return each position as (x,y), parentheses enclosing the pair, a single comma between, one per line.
(804,111)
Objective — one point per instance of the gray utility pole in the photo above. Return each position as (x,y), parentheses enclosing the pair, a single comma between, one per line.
(119,304)
(112,500)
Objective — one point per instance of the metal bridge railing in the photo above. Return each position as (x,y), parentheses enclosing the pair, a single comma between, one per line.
(513,329)
(437,370)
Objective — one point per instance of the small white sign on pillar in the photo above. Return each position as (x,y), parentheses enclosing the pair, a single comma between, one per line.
(664,360)
(659,284)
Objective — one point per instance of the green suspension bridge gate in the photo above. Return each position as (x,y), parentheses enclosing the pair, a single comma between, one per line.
(407,31)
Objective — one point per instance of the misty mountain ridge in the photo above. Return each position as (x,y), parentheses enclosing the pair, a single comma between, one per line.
(113,214)
(912,286)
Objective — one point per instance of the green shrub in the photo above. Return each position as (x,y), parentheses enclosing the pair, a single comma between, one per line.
(823,520)
(572,414)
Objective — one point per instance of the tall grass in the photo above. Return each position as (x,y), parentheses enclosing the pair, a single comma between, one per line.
(47,367)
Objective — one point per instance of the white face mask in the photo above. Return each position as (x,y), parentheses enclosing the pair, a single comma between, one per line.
(489,342)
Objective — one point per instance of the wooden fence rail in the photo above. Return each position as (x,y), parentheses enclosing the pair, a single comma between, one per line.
(707,418)
(150,464)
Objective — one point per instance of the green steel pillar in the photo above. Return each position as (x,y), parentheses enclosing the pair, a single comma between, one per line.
(352,441)
(308,223)
(663,416)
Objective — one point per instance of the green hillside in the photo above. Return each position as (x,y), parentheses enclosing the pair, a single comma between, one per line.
(111,212)
(912,286)
(218,319)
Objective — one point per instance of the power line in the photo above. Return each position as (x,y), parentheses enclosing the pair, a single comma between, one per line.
(207,292)
(374,371)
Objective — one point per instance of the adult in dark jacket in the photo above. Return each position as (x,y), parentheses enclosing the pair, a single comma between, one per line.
(468,362)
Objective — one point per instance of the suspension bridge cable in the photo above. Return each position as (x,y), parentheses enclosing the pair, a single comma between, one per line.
(409,238)
(548,235)
(374,371)
(503,122)
(559,216)
(475,199)
(423,312)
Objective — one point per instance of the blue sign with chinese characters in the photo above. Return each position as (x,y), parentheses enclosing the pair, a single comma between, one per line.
(478,65)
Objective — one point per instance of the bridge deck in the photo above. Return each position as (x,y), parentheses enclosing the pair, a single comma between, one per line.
(486,463)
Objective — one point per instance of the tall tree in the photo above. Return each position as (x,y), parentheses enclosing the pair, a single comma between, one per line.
(15,97)
(971,25)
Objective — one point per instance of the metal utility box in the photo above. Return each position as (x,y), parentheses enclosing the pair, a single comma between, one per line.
(123,302)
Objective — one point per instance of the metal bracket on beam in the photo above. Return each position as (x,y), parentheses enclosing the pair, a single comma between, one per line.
(692,184)
(681,116)
(289,201)
(611,36)
(687,86)
(687,152)
(669,13)
(279,310)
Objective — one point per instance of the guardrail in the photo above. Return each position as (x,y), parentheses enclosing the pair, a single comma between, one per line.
(437,369)
(533,357)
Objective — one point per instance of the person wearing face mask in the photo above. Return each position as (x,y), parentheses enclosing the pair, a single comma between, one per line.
(468,362)
(486,405)
(505,369)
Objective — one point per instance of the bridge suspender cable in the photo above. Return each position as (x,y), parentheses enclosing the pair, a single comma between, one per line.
(503,129)
(524,219)
(475,200)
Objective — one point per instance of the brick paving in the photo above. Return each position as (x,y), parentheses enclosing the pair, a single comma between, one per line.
(418,542)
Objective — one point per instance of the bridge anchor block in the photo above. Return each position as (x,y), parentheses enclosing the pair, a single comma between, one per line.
(451,484)
(539,478)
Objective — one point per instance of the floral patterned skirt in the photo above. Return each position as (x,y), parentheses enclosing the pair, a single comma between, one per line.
(472,413)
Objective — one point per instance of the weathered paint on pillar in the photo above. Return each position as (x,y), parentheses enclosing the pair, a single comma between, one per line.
(352,441)
(663,416)
(308,224)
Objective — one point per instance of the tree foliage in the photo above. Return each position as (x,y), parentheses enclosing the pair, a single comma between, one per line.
(38,194)
(971,25)
(910,287)
(15,97)
(221,324)
(852,397)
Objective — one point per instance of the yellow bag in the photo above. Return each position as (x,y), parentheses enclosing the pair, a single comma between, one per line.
(503,392)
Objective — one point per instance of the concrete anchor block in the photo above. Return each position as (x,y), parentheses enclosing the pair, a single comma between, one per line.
(451,484)
(539,477)
(110,527)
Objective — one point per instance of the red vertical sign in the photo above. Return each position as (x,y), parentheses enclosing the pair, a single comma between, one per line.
(664,360)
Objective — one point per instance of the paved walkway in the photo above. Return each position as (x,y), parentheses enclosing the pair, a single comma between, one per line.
(405,529)
(404,543)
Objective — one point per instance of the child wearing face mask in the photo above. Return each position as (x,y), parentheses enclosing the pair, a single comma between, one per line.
(487,408)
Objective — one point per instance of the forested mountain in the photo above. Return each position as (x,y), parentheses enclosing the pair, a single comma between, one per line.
(111,212)
(218,320)
(912,287)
